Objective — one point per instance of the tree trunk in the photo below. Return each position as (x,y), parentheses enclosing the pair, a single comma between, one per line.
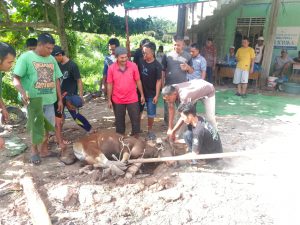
(267,60)
(59,8)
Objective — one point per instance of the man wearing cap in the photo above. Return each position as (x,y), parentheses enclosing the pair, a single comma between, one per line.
(122,79)
(230,58)
(72,92)
(259,53)
(282,64)
(36,77)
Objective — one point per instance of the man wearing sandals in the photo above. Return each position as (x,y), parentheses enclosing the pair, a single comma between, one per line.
(7,57)
(150,73)
(36,76)
(72,92)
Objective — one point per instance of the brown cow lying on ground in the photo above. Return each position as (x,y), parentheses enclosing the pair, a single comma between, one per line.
(111,151)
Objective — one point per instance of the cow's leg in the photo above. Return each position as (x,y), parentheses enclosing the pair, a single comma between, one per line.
(132,170)
(101,161)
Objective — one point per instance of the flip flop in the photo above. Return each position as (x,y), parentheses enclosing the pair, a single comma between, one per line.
(35,159)
(50,154)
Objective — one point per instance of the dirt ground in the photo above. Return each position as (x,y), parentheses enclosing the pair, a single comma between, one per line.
(261,188)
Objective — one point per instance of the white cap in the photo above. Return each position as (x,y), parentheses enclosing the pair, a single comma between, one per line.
(232,47)
(186,38)
(260,39)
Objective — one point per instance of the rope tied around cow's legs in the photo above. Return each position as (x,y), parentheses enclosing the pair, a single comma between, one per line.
(121,140)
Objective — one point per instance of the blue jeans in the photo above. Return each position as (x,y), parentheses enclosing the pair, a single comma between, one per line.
(151,108)
(188,137)
(209,74)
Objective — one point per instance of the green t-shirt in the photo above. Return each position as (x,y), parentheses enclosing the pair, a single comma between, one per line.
(38,76)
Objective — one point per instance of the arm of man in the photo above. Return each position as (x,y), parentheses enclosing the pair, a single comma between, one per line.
(140,88)
(215,59)
(157,88)
(158,83)
(80,88)
(188,68)
(171,108)
(171,133)
(4,111)
(59,97)
(19,87)
(163,78)
(252,55)
(203,74)
(109,87)
(109,93)
(252,66)
(203,68)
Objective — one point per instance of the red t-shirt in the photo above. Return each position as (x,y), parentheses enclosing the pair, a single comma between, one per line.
(123,82)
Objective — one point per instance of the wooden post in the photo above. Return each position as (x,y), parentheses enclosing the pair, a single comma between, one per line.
(269,43)
(127,34)
(181,20)
(202,7)
(37,208)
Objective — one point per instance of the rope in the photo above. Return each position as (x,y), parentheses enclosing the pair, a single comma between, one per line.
(123,146)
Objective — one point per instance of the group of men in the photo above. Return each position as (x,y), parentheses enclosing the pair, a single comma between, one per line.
(47,81)
(133,85)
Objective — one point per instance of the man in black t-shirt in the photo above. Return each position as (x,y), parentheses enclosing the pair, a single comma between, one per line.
(150,73)
(201,137)
(72,92)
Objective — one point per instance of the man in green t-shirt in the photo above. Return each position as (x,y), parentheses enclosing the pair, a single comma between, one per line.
(7,58)
(36,75)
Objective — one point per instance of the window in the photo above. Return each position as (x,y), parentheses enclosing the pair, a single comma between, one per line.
(252,27)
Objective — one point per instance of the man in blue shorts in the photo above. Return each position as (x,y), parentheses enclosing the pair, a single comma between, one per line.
(150,71)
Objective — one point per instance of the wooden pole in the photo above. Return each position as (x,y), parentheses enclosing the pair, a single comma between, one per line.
(127,34)
(37,208)
(181,20)
(191,156)
(269,43)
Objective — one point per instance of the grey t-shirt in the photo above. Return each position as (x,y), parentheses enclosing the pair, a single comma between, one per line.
(280,62)
(194,90)
(171,65)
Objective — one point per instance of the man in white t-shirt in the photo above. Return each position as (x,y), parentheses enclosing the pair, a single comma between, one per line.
(259,53)
(191,91)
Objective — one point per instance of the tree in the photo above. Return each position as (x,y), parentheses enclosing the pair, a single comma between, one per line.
(53,16)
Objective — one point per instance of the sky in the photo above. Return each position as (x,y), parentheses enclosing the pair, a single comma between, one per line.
(169,13)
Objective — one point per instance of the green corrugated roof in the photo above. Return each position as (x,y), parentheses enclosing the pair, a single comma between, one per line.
(137,4)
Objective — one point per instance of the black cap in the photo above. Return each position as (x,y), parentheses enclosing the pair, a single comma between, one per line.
(57,50)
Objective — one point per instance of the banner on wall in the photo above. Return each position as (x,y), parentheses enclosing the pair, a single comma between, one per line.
(287,38)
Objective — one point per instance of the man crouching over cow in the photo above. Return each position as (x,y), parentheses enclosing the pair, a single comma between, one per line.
(201,137)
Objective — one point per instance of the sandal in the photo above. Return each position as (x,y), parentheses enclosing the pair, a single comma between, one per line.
(35,159)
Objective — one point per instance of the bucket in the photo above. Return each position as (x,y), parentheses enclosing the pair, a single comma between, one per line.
(271,82)
(292,88)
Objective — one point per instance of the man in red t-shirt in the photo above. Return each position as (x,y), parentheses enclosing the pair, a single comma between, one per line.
(122,79)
